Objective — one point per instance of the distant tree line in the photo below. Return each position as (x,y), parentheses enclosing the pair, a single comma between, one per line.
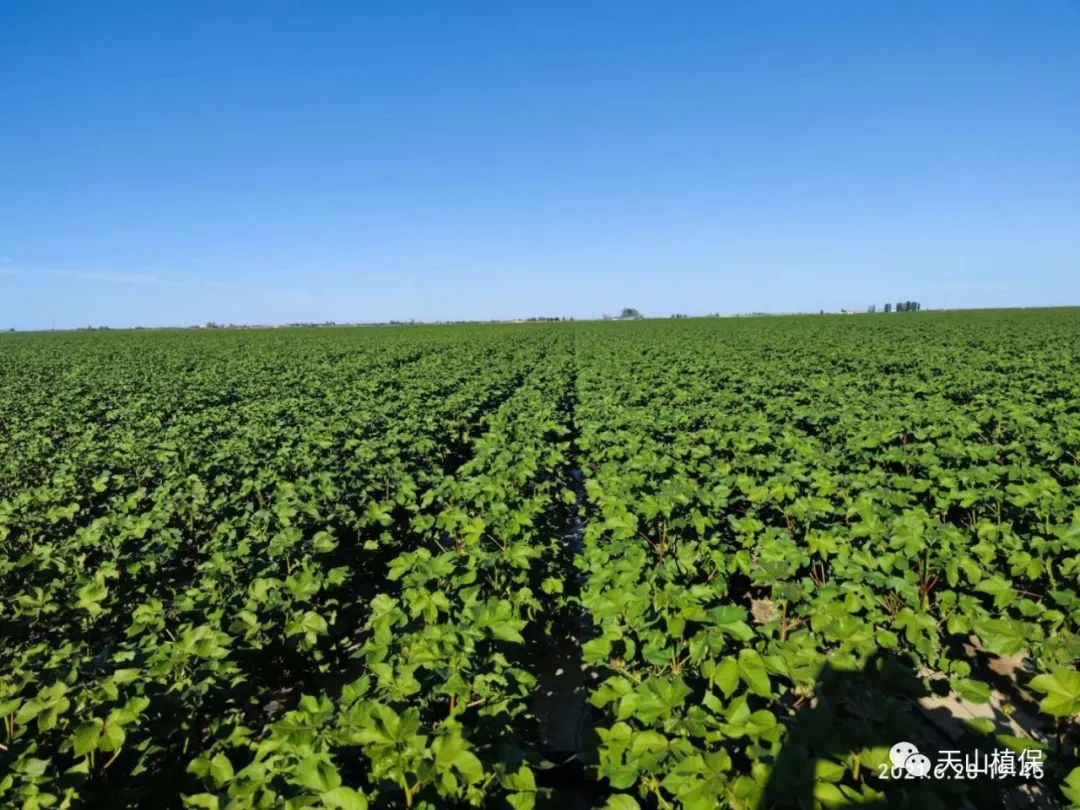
(905,306)
(901,306)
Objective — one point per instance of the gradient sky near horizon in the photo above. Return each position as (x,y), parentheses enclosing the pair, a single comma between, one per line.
(269,162)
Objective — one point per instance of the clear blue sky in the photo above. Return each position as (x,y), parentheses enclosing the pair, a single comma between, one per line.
(173,163)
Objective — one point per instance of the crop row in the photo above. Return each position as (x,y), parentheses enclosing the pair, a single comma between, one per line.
(196,573)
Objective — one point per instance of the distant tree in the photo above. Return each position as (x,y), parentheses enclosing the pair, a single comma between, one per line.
(888,307)
(872,309)
(630,314)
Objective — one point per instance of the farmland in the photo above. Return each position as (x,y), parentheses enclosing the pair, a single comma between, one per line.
(326,567)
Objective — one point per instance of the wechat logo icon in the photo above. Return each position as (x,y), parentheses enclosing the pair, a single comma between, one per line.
(907,761)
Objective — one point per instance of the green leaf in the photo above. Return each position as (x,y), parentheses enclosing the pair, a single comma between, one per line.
(648,742)
(522,801)
(522,779)
(506,631)
(1071,786)
(202,801)
(317,774)
(344,798)
(34,767)
(452,752)
(752,670)
(968,689)
(1000,588)
(112,735)
(1005,636)
(85,737)
(552,585)
(221,769)
(829,795)
(726,676)
(760,722)
(731,619)
(826,770)
(1062,689)
(313,623)
(90,596)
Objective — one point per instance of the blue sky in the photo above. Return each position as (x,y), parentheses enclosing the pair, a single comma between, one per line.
(265,162)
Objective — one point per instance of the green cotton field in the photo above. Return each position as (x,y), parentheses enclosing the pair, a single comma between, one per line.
(652,564)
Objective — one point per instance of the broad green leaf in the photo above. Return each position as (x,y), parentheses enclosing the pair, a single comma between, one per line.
(1062,689)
